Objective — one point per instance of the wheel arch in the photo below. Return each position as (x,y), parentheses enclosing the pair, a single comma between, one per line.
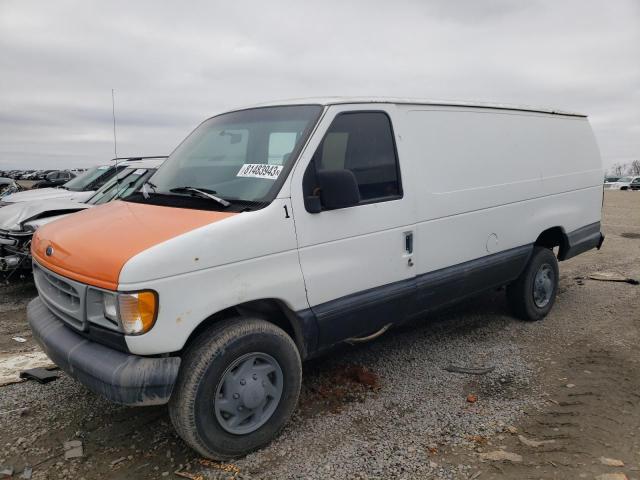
(554,237)
(273,310)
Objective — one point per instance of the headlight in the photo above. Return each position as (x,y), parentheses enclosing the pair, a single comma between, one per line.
(110,305)
(135,312)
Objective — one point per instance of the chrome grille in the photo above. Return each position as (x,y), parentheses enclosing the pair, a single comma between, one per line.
(64,297)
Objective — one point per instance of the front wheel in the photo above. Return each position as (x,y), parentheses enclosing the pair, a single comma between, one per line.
(238,386)
(533,293)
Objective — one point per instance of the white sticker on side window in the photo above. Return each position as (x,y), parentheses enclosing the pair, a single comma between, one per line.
(260,170)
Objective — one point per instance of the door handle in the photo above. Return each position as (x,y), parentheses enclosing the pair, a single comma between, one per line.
(408,242)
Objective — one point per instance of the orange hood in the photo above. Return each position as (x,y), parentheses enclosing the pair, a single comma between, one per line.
(92,246)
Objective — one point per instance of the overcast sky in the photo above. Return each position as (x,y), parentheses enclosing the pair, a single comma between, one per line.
(172,64)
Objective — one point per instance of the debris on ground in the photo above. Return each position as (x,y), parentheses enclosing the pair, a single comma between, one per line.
(117,461)
(18,411)
(19,339)
(469,370)
(12,365)
(511,429)
(26,474)
(73,449)
(501,456)
(613,277)
(190,476)
(612,476)
(533,443)
(40,375)
(6,471)
(479,439)
(472,398)
(225,467)
(611,462)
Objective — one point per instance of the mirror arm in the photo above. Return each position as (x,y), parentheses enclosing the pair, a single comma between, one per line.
(313,204)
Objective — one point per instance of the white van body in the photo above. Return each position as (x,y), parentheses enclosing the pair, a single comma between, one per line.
(476,181)
(478,187)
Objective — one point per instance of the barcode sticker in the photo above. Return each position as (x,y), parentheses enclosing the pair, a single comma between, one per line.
(260,170)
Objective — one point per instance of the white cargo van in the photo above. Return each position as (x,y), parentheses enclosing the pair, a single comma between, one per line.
(274,233)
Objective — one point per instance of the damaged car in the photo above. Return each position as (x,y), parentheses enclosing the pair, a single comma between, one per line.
(78,189)
(9,186)
(19,221)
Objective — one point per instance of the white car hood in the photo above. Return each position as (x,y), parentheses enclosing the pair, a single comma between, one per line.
(13,217)
(47,194)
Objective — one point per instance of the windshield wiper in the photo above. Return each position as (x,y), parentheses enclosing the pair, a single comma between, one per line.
(201,192)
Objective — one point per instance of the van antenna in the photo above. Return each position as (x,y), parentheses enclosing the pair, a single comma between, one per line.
(115,142)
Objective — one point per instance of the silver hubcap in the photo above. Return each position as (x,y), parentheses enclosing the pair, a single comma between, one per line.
(543,286)
(248,393)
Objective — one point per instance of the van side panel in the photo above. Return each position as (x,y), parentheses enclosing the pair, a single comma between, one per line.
(488,181)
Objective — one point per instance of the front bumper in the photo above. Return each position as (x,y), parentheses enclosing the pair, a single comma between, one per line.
(120,377)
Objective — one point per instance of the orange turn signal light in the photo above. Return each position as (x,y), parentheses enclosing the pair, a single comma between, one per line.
(138,311)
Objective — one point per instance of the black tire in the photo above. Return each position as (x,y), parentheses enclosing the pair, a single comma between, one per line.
(204,364)
(520,294)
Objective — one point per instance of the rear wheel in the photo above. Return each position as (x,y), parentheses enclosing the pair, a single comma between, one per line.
(238,386)
(533,294)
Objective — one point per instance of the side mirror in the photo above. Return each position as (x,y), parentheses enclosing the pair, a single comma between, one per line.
(338,189)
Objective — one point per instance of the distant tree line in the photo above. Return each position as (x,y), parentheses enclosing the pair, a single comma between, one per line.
(629,168)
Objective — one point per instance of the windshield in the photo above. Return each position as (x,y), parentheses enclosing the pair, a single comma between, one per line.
(240,156)
(81,182)
(625,179)
(124,184)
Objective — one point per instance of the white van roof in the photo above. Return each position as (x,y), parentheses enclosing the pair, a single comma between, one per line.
(414,101)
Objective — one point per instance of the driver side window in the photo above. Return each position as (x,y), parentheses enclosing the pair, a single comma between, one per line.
(363,143)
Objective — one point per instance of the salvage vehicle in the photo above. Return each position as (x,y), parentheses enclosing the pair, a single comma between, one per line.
(54,179)
(19,221)
(623,183)
(277,232)
(78,189)
(8,186)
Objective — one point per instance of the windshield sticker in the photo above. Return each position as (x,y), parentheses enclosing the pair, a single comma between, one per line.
(260,170)
(140,171)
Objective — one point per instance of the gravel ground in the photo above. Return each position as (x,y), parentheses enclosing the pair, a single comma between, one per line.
(389,409)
